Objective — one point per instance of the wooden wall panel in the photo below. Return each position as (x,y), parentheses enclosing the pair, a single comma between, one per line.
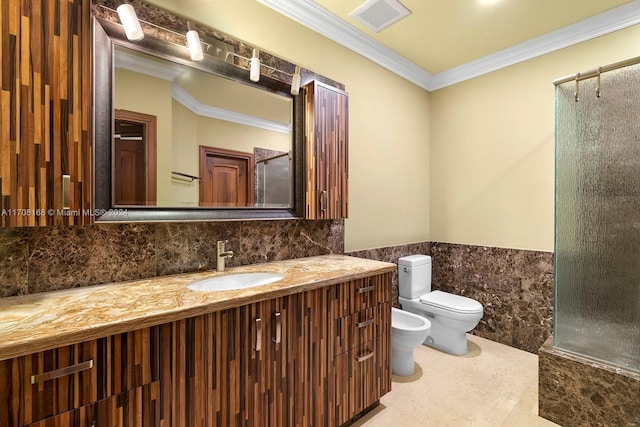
(45,75)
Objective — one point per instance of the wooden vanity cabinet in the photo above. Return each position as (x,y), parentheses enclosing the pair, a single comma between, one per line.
(326,151)
(315,358)
(67,380)
(45,158)
(362,334)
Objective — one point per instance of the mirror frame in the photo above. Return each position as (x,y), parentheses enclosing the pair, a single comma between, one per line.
(105,36)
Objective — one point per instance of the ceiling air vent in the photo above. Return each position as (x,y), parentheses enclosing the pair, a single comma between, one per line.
(379,14)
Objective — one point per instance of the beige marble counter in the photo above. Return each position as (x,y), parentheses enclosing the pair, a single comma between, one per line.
(42,321)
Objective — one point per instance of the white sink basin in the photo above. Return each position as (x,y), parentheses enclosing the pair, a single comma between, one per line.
(234,281)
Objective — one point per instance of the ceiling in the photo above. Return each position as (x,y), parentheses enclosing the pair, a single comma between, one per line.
(443,42)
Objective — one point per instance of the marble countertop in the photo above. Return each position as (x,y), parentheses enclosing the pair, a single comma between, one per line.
(41,321)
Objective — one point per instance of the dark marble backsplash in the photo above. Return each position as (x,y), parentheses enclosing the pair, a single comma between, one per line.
(50,258)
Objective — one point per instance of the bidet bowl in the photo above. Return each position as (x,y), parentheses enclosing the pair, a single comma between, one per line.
(234,281)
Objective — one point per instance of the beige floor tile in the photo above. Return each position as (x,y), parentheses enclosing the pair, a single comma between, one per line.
(493,385)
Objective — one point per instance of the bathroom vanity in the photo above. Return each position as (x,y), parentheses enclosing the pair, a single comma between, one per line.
(313,348)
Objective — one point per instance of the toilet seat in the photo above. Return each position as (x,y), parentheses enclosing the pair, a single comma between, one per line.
(451,302)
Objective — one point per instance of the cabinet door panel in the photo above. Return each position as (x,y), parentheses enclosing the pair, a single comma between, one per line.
(326,151)
(46,114)
(184,367)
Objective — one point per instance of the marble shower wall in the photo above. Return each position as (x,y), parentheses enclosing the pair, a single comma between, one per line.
(515,287)
(50,258)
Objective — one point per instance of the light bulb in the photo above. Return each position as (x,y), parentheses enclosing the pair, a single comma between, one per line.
(195,48)
(295,81)
(254,71)
(130,22)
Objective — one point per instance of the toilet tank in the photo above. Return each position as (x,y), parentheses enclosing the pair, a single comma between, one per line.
(414,276)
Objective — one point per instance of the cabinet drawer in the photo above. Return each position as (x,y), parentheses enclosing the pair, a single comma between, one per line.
(364,378)
(127,361)
(52,382)
(139,407)
(48,383)
(360,294)
(356,329)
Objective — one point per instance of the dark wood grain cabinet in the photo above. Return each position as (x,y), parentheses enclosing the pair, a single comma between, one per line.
(45,113)
(315,358)
(326,145)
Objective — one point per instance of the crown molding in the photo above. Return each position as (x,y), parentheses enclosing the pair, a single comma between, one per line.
(598,25)
(184,98)
(317,18)
(160,70)
(320,20)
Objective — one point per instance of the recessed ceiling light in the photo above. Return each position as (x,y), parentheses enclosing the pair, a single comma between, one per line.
(379,14)
(488,1)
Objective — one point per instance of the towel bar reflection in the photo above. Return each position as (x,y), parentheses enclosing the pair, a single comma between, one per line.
(184,177)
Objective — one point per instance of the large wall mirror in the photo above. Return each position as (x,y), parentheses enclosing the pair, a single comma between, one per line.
(182,140)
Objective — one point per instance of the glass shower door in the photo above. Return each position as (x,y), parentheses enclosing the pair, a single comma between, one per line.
(597,254)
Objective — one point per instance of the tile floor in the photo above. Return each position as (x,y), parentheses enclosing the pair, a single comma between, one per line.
(493,385)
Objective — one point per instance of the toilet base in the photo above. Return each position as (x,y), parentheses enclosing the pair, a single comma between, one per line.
(447,340)
(402,362)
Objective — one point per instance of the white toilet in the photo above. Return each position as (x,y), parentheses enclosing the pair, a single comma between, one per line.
(408,331)
(451,316)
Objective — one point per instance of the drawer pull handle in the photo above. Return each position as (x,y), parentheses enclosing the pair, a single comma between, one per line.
(323,200)
(366,289)
(258,332)
(278,336)
(365,323)
(66,192)
(62,372)
(364,357)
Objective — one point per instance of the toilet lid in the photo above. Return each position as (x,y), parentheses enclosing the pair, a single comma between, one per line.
(451,302)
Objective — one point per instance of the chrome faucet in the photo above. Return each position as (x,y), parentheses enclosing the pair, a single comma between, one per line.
(221,254)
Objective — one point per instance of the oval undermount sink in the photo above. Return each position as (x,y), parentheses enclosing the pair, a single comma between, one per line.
(234,281)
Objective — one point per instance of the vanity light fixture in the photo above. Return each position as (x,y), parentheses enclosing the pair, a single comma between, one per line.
(193,41)
(254,72)
(130,22)
(295,81)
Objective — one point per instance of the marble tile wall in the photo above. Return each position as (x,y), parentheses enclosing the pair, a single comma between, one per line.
(514,286)
(576,391)
(50,258)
